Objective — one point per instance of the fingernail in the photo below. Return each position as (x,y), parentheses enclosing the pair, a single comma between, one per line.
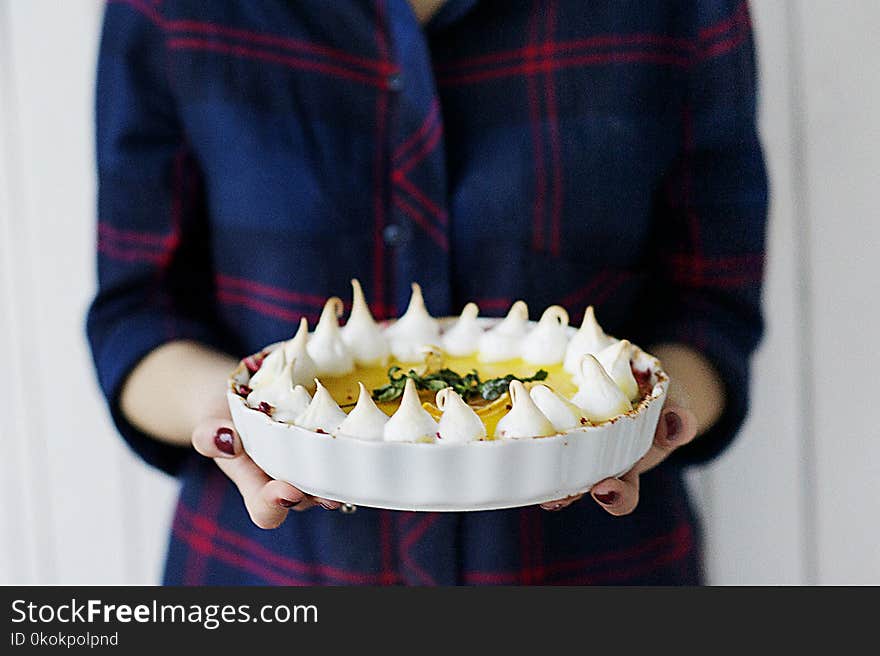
(224,440)
(607,499)
(287,503)
(327,505)
(673,426)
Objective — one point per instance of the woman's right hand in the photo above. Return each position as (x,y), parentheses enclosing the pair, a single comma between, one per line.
(199,400)
(267,500)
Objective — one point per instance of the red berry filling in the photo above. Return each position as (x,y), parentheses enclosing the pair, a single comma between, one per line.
(254,362)
(643,379)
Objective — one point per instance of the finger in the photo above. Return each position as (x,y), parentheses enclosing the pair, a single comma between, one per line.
(307,504)
(315,502)
(284,495)
(217,438)
(618,496)
(327,504)
(265,509)
(559,504)
(677,427)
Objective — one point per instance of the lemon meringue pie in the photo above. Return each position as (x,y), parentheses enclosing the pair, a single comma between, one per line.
(461,379)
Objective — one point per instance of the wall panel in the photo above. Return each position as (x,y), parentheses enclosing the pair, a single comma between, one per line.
(841,148)
(26,553)
(102,518)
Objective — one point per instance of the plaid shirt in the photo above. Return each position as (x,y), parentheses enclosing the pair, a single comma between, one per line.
(253,157)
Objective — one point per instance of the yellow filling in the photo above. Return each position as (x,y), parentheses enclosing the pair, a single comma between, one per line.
(344,389)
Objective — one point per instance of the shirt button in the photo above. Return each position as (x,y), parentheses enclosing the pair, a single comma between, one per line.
(392,234)
(395,82)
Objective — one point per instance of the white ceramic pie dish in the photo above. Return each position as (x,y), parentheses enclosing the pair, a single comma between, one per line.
(482,475)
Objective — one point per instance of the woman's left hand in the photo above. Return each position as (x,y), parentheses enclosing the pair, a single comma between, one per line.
(620,496)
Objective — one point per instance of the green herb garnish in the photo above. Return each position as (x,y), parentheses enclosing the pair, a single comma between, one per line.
(468,386)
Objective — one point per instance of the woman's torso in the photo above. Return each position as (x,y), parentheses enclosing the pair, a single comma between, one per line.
(509,150)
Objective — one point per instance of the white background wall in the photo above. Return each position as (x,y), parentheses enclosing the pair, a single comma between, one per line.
(797,498)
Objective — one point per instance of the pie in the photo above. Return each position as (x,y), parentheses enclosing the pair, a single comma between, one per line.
(420,379)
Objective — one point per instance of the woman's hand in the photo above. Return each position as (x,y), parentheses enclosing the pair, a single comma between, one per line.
(694,402)
(267,500)
(199,400)
(620,496)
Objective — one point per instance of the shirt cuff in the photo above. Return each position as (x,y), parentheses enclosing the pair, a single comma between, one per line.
(119,353)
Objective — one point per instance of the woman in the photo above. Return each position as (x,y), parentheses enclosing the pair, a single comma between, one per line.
(253,157)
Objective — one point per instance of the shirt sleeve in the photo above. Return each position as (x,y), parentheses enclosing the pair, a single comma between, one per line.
(154,281)
(708,259)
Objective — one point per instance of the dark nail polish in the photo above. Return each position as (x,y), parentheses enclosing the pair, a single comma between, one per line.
(608,498)
(287,503)
(224,440)
(673,426)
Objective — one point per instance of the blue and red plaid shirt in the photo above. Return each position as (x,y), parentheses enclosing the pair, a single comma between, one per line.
(253,157)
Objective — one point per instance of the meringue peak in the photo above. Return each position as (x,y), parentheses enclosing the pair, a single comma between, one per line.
(416,301)
(292,405)
(615,359)
(562,413)
(322,414)
(296,350)
(463,337)
(287,399)
(326,346)
(410,422)
(517,315)
(503,340)
(414,330)
(590,338)
(361,334)
(599,397)
(366,420)
(270,368)
(459,422)
(547,342)
(524,419)
(296,344)
(273,369)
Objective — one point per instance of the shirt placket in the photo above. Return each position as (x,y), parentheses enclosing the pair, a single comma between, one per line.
(416,234)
